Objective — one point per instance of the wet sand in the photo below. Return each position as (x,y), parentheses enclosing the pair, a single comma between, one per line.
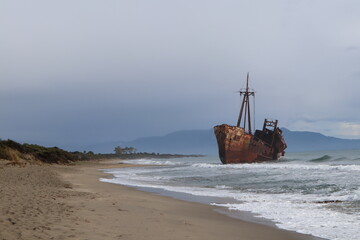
(69,202)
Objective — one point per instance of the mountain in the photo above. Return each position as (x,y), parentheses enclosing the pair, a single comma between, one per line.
(301,141)
(204,142)
(104,147)
(182,142)
(185,142)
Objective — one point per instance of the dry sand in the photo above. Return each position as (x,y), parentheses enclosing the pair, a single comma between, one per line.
(69,202)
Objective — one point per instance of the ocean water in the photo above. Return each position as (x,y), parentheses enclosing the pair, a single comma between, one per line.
(315,193)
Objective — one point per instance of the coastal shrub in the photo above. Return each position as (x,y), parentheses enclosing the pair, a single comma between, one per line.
(3,154)
(10,154)
(11,144)
(7,148)
(13,151)
(13,155)
(50,155)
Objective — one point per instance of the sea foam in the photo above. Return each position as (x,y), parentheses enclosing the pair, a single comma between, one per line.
(314,197)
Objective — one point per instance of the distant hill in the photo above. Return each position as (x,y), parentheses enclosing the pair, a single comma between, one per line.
(300,141)
(204,142)
(185,142)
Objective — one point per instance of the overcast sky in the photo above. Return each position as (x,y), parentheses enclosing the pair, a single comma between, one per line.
(90,71)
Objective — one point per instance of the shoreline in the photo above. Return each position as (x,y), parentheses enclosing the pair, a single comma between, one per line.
(81,206)
(243,216)
(213,211)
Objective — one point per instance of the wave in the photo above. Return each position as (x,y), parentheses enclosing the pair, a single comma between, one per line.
(279,166)
(324,158)
(146,161)
(295,211)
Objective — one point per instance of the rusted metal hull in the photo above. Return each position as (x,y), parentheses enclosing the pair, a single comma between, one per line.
(237,146)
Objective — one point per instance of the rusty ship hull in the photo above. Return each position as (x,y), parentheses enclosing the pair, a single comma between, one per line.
(237,146)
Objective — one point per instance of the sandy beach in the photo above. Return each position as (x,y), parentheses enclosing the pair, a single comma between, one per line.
(69,202)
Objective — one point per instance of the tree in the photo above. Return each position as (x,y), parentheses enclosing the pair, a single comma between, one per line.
(118,150)
(126,150)
(129,150)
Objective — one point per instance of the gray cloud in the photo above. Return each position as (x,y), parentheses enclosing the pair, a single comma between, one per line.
(90,71)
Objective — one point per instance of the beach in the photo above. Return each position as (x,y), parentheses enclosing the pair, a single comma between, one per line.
(69,202)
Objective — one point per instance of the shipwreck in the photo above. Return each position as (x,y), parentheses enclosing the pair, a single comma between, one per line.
(238,144)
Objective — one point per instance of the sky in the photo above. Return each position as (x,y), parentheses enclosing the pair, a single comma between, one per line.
(90,71)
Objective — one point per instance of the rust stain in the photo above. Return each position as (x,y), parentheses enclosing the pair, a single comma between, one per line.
(236,145)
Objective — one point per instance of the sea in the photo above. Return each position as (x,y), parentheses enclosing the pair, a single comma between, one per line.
(315,193)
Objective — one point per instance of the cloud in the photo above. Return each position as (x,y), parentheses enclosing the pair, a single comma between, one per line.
(95,71)
(349,129)
(341,129)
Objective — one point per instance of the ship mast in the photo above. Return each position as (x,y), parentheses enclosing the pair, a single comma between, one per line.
(244,115)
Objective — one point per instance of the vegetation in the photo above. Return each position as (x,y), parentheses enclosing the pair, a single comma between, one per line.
(130,153)
(126,150)
(18,153)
